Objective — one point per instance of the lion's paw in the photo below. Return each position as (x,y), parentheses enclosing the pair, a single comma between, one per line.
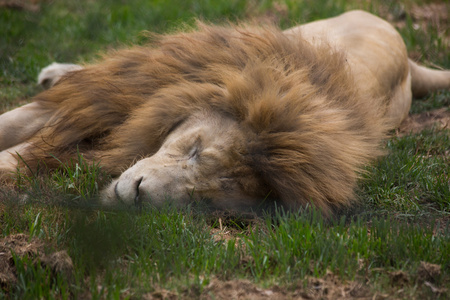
(53,72)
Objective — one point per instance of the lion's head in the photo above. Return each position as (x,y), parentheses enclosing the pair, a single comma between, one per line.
(203,157)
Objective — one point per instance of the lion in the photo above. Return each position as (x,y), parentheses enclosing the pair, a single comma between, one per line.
(233,116)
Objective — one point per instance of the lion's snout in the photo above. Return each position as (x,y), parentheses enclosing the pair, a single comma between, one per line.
(148,181)
(137,192)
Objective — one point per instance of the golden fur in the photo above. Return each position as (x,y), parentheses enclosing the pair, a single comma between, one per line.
(306,129)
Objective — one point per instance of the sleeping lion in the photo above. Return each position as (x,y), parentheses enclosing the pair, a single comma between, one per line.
(233,116)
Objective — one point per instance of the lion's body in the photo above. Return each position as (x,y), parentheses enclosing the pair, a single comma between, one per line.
(232,114)
(389,80)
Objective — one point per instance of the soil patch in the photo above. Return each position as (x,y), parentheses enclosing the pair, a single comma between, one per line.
(328,287)
(428,272)
(439,119)
(435,13)
(21,246)
(30,5)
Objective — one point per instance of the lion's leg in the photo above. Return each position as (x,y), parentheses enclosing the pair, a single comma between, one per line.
(8,158)
(19,124)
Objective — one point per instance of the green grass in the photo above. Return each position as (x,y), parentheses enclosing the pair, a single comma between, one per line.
(414,175)
(127,253)
(132,253)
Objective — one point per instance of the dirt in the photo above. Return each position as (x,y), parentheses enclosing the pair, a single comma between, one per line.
(434,13)
(328,287)
(428,272)
(24,246)
(30,5)
(438,119)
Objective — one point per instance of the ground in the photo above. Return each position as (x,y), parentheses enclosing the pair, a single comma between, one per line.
(54,245)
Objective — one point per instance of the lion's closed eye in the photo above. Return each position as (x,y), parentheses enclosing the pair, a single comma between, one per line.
(195,149)
(193,154)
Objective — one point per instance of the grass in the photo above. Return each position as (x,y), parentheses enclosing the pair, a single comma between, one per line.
(415,173)
(384,245)
(128,254)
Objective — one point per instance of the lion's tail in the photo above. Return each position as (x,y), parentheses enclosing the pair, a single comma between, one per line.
(425,80)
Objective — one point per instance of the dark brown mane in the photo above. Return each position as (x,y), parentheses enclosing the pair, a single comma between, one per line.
(308,132)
